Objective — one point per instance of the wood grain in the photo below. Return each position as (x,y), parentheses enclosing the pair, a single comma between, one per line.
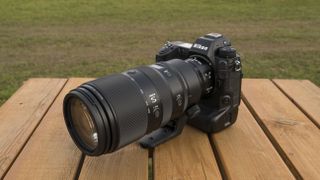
(50,152)
(304,94)
(247,153)
(130,162)
(188,156)
(21,114)
(296,138)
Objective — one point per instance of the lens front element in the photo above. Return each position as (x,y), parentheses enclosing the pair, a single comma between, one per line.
(83,124)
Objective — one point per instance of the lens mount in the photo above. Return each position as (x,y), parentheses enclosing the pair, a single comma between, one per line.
(96,118)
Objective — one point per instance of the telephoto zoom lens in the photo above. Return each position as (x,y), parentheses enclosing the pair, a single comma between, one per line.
(108,113)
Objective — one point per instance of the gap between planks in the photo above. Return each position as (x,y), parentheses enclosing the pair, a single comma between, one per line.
(218,158)
(304,94)
(79,169)
(20,103)
(246,152)
(50,152)
(274,142)
(80,165)
(291,132)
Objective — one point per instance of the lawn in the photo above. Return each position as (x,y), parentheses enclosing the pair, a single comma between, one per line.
(92,38)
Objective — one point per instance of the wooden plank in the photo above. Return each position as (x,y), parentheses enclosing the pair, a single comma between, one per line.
(21,114)
(130,162)
(304,94)
(246,152)
(50,152)
(296,138)
(188,156)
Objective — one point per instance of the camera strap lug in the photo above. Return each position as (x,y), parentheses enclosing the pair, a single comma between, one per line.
(169,131)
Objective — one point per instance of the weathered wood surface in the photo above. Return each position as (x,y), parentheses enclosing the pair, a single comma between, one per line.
(50,153)
(296,138)
(246,152)
(305,95)
(128,163)
(276,136)
(188,156)
(20,115)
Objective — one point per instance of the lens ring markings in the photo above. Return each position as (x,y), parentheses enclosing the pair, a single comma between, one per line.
(152,98)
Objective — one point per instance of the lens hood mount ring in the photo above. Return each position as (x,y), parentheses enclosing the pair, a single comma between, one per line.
(97,115)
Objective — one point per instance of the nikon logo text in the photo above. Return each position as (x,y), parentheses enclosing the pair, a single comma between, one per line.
(199,46)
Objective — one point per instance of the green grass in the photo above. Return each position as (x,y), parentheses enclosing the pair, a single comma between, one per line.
(92,38)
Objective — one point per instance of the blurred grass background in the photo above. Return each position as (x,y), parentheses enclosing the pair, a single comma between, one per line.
(42,38)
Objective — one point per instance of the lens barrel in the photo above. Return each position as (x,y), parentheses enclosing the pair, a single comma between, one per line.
(115,110)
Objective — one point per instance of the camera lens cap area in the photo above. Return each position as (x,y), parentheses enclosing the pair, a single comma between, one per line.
(227,52)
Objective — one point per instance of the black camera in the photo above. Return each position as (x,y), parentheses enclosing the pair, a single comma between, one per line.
(197,83)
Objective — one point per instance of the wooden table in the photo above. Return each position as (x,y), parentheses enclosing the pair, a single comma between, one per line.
(276,136)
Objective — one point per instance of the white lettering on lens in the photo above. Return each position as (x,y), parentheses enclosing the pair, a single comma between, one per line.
(179,99)
(153,97)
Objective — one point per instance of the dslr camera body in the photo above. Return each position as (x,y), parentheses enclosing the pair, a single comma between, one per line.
(219,108)
(197,83)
